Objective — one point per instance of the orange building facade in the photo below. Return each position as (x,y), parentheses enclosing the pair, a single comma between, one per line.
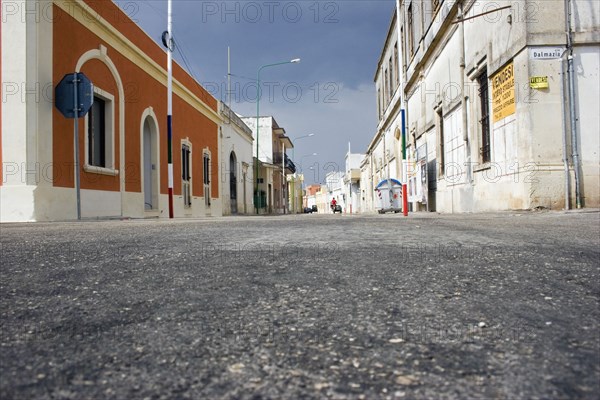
(122,139)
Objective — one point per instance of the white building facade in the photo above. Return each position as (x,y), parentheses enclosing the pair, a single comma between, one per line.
(352,183)
(334,183)
(495,119)
(236,169)
(273,165)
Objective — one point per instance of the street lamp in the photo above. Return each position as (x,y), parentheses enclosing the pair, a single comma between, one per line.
(294,159)
(296,139)
(302,172)
(302,158)
(294,156)
(258,93)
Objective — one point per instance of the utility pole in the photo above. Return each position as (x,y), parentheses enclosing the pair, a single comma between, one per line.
(403,111)
(169,44)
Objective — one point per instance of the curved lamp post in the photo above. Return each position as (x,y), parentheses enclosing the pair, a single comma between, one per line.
(258,95)
(296,139)
(304,156)
(294,159)
(302,172)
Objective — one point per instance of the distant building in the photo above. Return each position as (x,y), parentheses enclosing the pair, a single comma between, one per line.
(310,195)
(334,182)
(352,183)
(295,191)
(274,165)
(366,185)
(323,200)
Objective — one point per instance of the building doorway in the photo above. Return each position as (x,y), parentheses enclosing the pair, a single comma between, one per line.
(233,183)
(150,161)
(269,200)
(186,175)
(245,175)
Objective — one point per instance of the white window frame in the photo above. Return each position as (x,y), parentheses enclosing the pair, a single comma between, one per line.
(187,185)
(109,134)
(207,192)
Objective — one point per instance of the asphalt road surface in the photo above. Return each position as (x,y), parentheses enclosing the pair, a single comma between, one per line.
(502,305)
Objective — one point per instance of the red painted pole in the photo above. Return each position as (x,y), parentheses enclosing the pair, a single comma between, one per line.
(405,199)
(170,106)
(404,167)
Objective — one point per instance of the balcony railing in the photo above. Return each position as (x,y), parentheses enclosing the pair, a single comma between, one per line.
(289,164)
(279,158)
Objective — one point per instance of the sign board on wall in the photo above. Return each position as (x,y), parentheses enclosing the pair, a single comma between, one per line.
(411,174)
(546,53)
(417,177)
(539,82)
(503,92)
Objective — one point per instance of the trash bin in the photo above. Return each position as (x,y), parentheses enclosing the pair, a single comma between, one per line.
(389,193)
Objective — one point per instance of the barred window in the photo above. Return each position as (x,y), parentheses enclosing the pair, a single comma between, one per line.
(206,178)
(484,150)
(186,176)
(411,32)
(97,133)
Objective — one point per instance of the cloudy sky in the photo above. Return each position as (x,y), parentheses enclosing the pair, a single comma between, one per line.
(329,94)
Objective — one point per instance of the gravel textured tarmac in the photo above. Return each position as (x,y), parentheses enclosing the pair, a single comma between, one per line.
(502,305)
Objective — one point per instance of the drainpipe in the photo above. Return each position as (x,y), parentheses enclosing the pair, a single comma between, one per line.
(463,99)
(573,114)
(564,136)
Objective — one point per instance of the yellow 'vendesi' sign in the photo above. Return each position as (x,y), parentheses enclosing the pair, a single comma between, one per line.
(539,82)
(503,93)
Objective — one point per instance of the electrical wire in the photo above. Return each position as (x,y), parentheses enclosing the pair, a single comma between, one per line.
(180,46)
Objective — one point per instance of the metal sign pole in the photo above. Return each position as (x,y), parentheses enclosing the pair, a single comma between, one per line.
(76,141)
(73,104)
